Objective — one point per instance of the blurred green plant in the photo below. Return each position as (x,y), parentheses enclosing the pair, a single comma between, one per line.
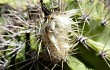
(24,42)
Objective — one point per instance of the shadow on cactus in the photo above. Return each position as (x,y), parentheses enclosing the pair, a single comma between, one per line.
(47,36)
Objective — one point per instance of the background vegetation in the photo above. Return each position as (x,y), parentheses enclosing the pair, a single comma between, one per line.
(20,39)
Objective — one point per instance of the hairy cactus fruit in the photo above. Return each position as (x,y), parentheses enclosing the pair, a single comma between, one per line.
(55,35)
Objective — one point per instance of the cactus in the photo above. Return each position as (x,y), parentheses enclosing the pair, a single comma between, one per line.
(55,35)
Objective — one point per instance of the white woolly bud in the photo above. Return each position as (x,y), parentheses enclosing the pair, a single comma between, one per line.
(56,34)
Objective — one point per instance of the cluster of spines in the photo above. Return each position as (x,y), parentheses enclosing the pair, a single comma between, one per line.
(86,37)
